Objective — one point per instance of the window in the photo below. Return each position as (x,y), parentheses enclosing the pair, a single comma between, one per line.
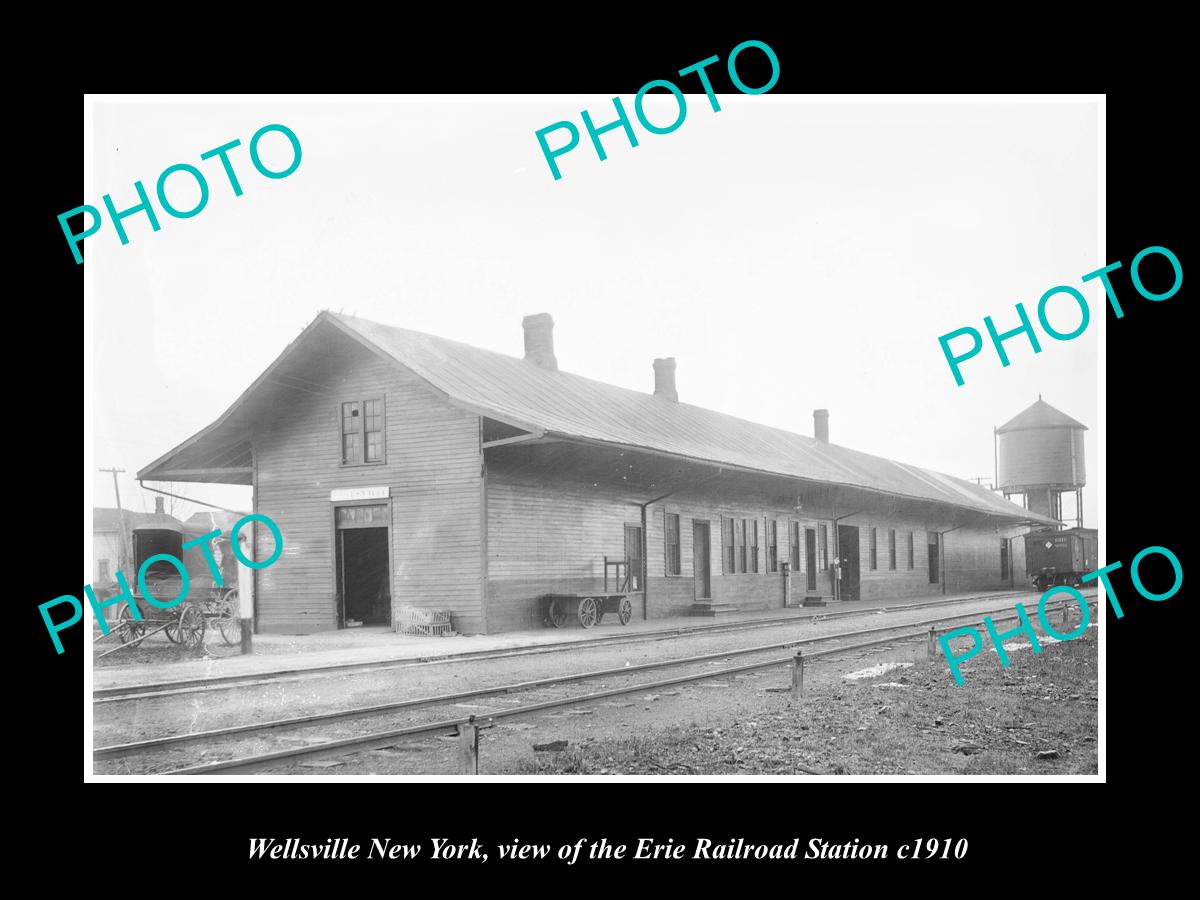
(772,545)
(794,541)
(727,528)
(1004,560)
(740,527)
(874,549)
(351,432)
(823,547)
(633,554)
(910,550)
(373,426)
(891,548)
(362,431)
(673,544)
(752,526)
(105,569)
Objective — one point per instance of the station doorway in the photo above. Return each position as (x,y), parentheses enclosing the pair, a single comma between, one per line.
(810,557)
(848,551)
(701,564)
(363,570)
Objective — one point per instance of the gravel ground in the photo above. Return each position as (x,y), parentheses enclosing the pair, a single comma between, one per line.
(1038,716)
(507,746)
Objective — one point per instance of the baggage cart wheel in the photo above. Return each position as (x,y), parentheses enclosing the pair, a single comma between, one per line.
(588,612)
(626,612)
(558,613)
(129,630)
(229,619)
(190,626)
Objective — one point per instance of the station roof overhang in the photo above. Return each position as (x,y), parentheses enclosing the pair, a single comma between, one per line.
(646,476)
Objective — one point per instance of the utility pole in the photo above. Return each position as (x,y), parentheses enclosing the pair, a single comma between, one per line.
(996,459)
(122,563)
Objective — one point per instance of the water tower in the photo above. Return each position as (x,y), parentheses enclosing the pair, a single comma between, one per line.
(1039,455)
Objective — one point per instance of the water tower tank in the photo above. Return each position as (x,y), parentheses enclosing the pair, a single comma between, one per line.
(1039,453)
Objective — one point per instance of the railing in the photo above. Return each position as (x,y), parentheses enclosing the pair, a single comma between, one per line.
(624,578)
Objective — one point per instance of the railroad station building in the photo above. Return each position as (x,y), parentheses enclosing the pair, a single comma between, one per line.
(406,470)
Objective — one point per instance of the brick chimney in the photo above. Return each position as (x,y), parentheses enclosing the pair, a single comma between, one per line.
(539,340)
(664,379)
(160,506)
(821,425)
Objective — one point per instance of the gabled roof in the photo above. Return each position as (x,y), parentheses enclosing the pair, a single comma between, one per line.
(559,404)
(1040,415)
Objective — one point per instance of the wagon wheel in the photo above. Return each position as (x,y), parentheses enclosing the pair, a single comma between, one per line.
(172,630)
(626,611)
(129,630)
(190,626)
(558,614)
(229,619)
(588,612)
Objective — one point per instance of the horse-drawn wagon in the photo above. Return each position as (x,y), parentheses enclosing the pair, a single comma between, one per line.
(207,601)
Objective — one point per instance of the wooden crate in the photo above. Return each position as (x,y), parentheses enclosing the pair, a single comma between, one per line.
(425,622)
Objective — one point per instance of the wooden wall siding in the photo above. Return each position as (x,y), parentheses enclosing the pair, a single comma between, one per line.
(549,538)
(973,561)
(433,467)
(1020,572)
(884,583)
(549,535)
(673,595)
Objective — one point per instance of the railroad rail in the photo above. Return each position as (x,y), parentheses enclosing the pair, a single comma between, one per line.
(229,682)
(912,631)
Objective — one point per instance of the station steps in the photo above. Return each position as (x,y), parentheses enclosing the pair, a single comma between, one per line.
(710,610)
(714,610)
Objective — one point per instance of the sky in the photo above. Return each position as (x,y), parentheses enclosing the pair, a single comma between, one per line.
(791,254)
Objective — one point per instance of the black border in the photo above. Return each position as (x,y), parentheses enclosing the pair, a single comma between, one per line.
(1005,823)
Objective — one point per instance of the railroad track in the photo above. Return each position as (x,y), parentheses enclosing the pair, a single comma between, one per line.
(433,709)
(228,682)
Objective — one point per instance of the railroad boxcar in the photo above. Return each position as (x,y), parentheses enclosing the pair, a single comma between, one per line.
(1060,557)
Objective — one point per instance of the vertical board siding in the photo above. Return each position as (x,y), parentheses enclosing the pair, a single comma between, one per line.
(433,470)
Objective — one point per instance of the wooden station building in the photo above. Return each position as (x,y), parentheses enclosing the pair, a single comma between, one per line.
(406,470)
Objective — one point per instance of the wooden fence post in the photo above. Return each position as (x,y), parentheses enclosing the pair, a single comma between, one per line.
(468,747)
